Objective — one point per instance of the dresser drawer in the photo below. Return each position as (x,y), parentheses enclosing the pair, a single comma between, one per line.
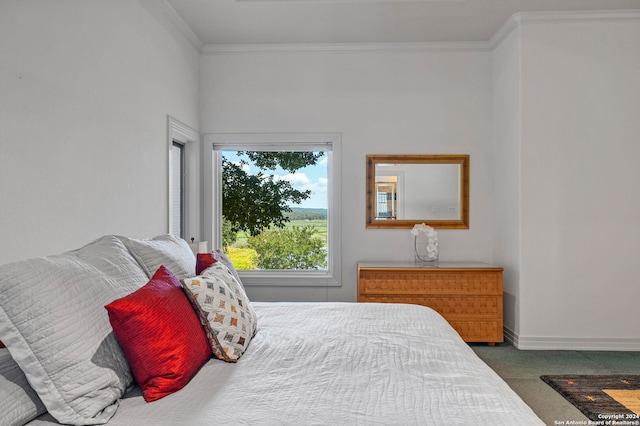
(489,331)
(409,282)
(449,307)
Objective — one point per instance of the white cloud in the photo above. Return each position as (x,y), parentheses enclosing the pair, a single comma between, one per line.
(296,179)
(301,182)
(246,167)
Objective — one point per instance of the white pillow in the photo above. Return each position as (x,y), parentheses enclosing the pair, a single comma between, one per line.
(164,250)
(19,403)
(52,316)
(224,310)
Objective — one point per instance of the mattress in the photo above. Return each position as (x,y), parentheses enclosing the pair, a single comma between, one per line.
(339,364)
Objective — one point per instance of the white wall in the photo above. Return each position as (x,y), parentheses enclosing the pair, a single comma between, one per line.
(566,131)
(383,102)
(506,154)
(579,190)
(85,90)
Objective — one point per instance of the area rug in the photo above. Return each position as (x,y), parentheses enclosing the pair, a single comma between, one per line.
(614,398)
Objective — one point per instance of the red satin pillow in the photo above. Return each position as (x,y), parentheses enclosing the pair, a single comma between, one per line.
(203,261)
(160,334)
(1,345)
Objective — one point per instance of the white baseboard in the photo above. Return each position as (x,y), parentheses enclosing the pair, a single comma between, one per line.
(571,343)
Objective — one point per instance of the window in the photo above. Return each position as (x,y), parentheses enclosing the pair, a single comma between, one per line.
(184,147)
(177,189)
(233,155)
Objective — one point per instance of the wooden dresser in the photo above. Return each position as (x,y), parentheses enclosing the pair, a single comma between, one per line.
(468,295)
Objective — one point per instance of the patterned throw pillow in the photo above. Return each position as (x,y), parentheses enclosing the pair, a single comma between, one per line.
(224,310)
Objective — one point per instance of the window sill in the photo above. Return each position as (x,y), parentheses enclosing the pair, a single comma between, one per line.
(288,279)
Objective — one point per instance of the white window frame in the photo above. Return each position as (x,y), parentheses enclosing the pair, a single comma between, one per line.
(190,139)
(212,169)
(176,202)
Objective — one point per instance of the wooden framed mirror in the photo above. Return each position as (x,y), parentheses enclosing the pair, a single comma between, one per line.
(403,190)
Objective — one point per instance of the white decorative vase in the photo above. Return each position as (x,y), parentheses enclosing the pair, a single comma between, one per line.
(425,248)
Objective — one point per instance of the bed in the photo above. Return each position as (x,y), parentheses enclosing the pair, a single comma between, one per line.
(337,364)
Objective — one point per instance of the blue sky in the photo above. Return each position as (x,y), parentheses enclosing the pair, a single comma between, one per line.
(313,178)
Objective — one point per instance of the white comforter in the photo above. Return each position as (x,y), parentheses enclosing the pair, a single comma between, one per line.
(339,364)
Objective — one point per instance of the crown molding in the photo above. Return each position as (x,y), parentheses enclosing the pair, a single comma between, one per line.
(168,17)
(181,131)
(578,16)
(513,22)
(561,17)
(230,49)
(503,32)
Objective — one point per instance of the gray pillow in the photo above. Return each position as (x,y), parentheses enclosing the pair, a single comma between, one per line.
(52,317)
(19,403)
(164,250)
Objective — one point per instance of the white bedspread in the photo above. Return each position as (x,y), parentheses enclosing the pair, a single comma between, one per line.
(339,364)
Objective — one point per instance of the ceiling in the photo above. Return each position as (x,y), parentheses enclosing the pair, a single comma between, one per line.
(363,21)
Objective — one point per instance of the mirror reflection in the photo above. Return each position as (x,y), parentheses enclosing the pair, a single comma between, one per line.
(417,191)
(403,190)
